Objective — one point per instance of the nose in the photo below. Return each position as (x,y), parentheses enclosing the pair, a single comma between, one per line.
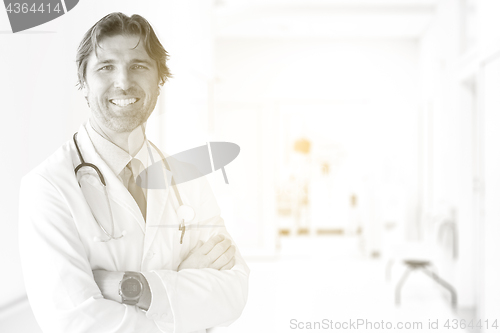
(122,79)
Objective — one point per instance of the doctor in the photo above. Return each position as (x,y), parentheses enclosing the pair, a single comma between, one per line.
(112,258)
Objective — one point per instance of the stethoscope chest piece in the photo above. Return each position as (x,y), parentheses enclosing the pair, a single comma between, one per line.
(185,213)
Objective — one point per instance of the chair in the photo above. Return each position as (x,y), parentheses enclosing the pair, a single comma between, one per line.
(419,255)
(424,266)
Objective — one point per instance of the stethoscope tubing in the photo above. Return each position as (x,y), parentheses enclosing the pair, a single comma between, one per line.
(82,164)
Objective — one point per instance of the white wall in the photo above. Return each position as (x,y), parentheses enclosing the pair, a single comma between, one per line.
(448,113)
(490,307)
(489,45)
(460,106)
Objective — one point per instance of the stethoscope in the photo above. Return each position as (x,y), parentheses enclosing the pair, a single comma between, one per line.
(185,213)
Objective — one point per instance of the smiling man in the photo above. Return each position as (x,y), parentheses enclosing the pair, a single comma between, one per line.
(102,254)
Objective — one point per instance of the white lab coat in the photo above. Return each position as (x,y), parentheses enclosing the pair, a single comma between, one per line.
(58,253)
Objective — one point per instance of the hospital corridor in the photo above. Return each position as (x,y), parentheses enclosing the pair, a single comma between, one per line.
(361,178)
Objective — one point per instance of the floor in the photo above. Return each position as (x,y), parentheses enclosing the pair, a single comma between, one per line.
(19,319)
(321,282)
(327,280)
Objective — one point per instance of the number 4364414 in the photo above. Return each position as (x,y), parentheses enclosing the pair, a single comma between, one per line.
(463,324)
(35,8)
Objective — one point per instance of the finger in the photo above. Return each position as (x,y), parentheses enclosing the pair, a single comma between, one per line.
(229,265)
(198,245)
(186,263)
(218,250)
(209,245)
(225,258)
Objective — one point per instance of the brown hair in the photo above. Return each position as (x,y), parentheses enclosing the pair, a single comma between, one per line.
(117,24)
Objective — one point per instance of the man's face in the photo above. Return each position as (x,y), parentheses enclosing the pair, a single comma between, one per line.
(121,83)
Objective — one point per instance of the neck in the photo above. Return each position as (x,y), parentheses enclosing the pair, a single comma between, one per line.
(131,142)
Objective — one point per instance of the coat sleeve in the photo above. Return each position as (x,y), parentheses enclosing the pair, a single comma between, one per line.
(198,299)
(58,277)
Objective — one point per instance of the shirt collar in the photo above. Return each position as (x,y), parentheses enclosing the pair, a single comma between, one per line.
(115,157)
(142,155)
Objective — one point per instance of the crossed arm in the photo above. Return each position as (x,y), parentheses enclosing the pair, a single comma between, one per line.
(216,253)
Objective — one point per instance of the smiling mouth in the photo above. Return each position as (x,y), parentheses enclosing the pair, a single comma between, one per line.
(124,102)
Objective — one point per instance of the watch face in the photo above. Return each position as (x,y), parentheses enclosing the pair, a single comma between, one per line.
(131,288)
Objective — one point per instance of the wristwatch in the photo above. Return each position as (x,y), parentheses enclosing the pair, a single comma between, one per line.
(131,288)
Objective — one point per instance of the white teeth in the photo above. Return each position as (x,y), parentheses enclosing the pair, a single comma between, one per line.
(124,102)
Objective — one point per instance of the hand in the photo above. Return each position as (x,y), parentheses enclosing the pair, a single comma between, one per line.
(217,253)
(108,283)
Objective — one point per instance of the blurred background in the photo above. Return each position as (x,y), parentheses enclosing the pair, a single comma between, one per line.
(370,143)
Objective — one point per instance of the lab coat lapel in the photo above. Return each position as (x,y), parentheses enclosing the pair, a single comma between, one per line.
(116,190)
(157,201)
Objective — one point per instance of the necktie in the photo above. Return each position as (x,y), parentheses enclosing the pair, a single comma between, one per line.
(134,167)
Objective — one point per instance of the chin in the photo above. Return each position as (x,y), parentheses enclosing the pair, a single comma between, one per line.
(125,127)
(120,124)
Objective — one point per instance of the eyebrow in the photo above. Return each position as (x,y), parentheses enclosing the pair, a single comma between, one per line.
(107,61)
(143,61)
(134,61)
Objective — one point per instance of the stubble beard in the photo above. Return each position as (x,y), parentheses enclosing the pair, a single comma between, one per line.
(121,124)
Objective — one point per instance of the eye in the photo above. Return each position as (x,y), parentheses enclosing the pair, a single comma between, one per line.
(139,67)
(106,68)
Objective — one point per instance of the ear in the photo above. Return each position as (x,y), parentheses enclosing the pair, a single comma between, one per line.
(85,90)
